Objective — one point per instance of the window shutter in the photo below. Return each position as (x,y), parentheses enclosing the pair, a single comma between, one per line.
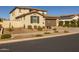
(38,19)
(31,19)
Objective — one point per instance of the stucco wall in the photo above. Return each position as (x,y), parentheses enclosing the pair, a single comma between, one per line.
(41,20)
(15,24)
(26,22)
(17,13)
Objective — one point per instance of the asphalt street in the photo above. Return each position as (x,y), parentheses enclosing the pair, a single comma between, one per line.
(69,43)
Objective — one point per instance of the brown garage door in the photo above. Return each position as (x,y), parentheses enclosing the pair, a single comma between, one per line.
(50,22)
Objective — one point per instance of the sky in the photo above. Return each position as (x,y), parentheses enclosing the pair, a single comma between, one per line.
(52,10)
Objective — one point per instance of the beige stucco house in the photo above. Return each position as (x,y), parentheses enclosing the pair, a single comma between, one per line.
(69,18)
(24,16)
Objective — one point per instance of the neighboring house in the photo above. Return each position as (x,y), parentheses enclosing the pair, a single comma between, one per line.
(69,17)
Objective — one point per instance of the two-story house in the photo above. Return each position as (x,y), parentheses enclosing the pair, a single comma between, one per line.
(33,17)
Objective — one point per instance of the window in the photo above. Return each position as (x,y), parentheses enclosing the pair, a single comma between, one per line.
(34,19)
(45,12)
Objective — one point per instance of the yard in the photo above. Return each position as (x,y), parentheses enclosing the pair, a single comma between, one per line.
(24,33)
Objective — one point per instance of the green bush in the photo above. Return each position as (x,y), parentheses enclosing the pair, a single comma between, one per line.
(54,29)
(60,23)
(47,33)
(43,27)
(24,26)
(65,31)
(78,23)
(73,23)
(66,24)
(29,27)
(5,36)
(40,28)
(35,27)
(10,29)
(1,20)
(38,35)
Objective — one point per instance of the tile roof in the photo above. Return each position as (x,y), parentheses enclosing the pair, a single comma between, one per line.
(27,7)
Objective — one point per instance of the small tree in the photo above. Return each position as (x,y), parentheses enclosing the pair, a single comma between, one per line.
(1,20)
(78,23)
(10,29)
(35,27)
(24,26)
(40,28)
(73,23)
(0,26)
(43,27)
(60,23)
(66,24)
(55,30)
(29,27)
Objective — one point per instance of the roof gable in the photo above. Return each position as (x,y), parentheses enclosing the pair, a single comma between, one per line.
(26,7)
(20,7)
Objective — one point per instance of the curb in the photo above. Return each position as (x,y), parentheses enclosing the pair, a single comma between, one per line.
(35,38)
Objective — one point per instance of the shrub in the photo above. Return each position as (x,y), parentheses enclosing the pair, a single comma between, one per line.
(60,23)
(24,26)
(29,27)
(65,31)
(5,36)
(47,33)
(10,29)
(1,20)
(40,28)
(78,23)
(35,27)
(73,23)
(54,29)
(43,27)
(38,35)
(66,24)
(0,26)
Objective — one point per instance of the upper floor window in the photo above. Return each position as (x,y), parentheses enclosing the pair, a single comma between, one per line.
(45,12)
(34,19)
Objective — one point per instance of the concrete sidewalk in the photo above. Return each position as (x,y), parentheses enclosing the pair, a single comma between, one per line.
(35,38)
